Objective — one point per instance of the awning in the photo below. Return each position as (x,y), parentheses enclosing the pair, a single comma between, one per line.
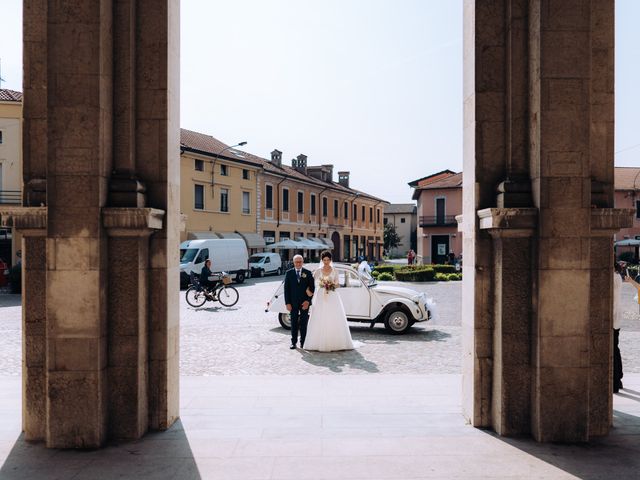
(201,235)
(630,242)
(228,235)
(253,240)
(327,242)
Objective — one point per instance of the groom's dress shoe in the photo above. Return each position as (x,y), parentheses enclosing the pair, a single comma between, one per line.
(293,346)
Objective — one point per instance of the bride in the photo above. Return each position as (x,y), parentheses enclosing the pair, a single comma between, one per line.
(328,330)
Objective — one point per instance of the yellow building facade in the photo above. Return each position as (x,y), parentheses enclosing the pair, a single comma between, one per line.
(218,192)
(302,201)
(10,168)
(228,193)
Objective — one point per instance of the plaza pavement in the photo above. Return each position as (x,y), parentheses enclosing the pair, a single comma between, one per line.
(253,409)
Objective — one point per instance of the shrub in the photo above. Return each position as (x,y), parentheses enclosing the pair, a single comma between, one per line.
(422,274)
(385,276)
(386,269)
(442,277)
(454,277)
(444,268)
(375,274)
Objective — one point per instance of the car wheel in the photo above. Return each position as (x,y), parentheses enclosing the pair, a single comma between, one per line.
(261,272)
(397,321)
(285,320)
(280,271)
(240,277)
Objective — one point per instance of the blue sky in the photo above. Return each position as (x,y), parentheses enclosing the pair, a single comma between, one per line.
(371,86)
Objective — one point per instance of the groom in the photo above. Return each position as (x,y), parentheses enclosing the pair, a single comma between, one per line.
(296,282)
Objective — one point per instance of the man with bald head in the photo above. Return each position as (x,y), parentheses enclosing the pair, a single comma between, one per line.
(298,290)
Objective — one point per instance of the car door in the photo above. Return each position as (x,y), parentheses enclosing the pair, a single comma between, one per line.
(355,295)
(268,267)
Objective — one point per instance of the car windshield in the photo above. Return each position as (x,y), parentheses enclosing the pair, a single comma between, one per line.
(367,278)
(187,254)
(256,259)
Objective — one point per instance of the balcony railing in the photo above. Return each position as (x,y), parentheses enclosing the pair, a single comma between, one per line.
(438,221)
(10,197)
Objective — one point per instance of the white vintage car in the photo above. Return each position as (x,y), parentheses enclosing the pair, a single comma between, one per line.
(366,301)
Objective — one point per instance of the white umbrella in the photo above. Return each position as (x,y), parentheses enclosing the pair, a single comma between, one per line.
(310,244)
(630,242)
(287,244)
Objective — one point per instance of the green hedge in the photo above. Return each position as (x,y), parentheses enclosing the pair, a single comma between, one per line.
(444,268)
(386,268)
(385,276)
(424,274)
(375,274)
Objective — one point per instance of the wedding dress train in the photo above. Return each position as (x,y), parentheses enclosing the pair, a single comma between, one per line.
(328,330)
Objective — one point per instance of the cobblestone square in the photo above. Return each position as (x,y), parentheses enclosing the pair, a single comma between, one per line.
(245,340)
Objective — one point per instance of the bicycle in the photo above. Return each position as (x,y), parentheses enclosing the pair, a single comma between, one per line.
(223,292)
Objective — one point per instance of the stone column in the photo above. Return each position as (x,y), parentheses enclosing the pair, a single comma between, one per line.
(538,178)
(100,347)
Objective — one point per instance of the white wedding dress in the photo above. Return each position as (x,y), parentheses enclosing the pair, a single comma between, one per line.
(328,330)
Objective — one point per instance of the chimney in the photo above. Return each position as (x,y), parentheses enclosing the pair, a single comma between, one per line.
(276,158)
(343,179)
(328,173)
(301,163)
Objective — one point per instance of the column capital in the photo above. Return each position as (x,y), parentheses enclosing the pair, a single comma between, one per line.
(509,222)
(608,221)
(131,222)
(29,221)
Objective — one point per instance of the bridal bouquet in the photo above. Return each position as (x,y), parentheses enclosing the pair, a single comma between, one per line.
(328,285)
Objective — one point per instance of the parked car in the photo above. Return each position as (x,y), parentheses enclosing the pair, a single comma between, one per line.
(265,263)
(367,301)
(226,254)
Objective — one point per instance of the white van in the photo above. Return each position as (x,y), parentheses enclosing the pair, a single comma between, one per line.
(226,254)
(265,263)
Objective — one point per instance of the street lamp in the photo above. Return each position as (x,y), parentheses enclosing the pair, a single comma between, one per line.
(213,163)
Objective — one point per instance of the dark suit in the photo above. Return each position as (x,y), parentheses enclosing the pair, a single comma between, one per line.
(295,294)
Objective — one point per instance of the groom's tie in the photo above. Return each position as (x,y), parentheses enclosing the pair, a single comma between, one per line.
(298,275)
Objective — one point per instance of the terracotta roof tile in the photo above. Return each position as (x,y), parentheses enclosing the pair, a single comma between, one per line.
(208,144)
(400,208)
(448,181)
(10,95)
(627,178)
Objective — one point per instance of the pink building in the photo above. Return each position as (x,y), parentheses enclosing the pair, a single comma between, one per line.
(627,195)
(439,198)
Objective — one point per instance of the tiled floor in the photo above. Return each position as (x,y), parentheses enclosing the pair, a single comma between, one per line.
(325,427)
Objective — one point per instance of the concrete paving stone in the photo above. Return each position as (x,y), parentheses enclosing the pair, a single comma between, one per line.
(251,468)
(283,448)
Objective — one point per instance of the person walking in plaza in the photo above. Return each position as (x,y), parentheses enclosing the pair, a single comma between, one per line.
(298,290)
(411,256)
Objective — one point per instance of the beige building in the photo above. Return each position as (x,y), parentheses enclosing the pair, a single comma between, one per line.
(10,167)
(304,201)
(439,198)
(404,217)
(228,193)
(218,194)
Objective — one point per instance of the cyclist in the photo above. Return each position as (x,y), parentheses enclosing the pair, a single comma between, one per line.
(205,283)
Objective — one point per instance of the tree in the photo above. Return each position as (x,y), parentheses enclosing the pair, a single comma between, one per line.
(391,237)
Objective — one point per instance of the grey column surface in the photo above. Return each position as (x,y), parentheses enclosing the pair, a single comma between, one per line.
(538,138)
(73,53)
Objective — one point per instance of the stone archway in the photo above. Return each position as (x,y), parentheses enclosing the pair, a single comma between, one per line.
(100,171)
(337,246)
